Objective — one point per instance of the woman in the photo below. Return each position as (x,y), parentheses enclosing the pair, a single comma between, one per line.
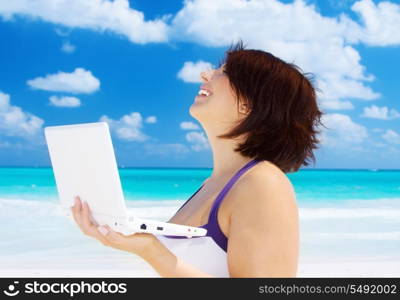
(260,115)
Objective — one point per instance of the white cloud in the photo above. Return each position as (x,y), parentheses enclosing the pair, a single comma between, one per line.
(377,26)
(64,101)
(67,47)
(295,32)
(62,32)
(151,119)
(341,131)
(14,122)
(189,126)
(380,112)
(391,136)
(128,127)
(381,22)
(198,141)
(190,71)
(336,88)
(100,15)
(79,81)
(334,104)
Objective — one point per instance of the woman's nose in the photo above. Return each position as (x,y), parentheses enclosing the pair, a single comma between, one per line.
(205,75)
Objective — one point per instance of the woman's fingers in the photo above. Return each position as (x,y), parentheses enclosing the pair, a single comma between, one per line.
(112,235)
(107,236)
(82,216)
(113,239)
(90,228)
(80,212)
(76,211)
(86,224)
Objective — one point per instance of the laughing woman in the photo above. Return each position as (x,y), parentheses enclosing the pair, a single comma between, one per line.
(261,117)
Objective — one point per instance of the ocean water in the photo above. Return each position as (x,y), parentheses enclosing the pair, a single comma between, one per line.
(344,214)
(311,186)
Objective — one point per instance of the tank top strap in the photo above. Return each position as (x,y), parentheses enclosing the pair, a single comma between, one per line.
(227,187)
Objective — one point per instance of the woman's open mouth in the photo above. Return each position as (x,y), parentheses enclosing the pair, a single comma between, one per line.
(203,93)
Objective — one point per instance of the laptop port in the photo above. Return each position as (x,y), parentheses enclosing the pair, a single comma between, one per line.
(160,228)
(143,226)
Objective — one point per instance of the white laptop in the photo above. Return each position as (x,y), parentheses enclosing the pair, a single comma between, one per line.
(84,165)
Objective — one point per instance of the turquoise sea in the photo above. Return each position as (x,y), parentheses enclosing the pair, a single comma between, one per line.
(311,186)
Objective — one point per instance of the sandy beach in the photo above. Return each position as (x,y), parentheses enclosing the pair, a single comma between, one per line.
(114,264)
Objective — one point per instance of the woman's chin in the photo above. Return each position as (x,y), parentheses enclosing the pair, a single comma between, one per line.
(195,110)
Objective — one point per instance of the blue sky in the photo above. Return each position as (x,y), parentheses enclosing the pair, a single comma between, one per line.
(136,65)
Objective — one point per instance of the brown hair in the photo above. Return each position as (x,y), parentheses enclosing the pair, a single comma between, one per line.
(281,126)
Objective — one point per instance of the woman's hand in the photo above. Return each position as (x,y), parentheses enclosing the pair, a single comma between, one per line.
(138,243)
(145,245)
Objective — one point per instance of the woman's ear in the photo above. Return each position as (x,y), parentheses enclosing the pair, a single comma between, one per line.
(243,108)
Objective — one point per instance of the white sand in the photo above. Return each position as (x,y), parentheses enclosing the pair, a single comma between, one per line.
(119,264)
(346,268)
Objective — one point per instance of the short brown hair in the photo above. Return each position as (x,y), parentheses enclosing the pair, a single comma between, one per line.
(281,126)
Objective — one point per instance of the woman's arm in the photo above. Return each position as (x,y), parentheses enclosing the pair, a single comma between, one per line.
(264,230)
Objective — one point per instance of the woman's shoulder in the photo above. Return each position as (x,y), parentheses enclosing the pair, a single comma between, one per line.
(263,182)
(264,174)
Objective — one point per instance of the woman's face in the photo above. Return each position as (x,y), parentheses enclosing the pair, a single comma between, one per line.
(218,107)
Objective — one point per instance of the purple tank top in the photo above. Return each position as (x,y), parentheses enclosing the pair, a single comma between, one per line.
(212,226)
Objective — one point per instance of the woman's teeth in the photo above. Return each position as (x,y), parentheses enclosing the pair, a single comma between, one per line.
(204,93)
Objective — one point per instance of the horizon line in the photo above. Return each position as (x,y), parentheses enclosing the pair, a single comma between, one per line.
(301,169)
